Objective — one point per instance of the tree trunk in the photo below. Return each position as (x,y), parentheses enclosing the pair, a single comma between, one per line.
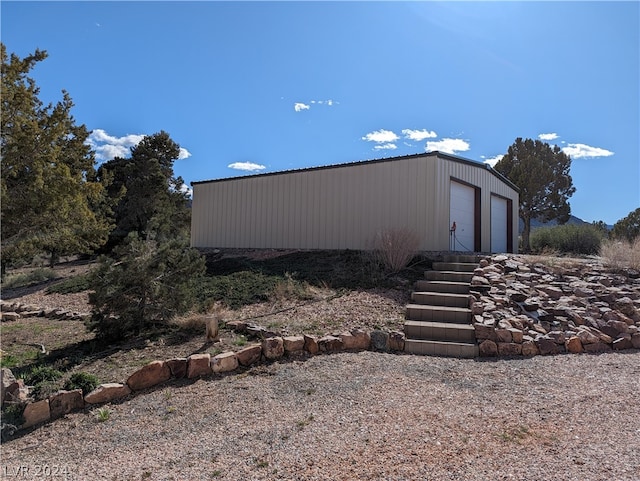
(54,259)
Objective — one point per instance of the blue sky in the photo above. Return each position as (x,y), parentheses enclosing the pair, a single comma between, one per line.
(249,87)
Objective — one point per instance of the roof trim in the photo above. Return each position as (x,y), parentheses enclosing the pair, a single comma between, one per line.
(434,153)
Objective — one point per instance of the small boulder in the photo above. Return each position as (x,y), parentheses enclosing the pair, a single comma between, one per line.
(107,392)
(504,336)
(547,346)
(10,316)
(516,335)
(155,372)
(379,340)
(293,344)
(198,365)
(488,348)
(225,362)
(356,340)
(622,342)
(178,367)
(553,292)
(635,340)
(8,385)
(396,341)
(330,344)
(484,331)
(36,413)
(597,347)
(529,348)
(574,345)
(311,344)
(63,402)
(273,348)
(509,349)
(249,355)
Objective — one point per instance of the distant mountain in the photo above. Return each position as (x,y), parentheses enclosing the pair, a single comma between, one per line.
(572,220)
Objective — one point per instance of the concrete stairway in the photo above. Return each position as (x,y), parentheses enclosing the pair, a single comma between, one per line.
(438,321)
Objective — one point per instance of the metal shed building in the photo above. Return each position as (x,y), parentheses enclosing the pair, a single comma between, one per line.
(347,206)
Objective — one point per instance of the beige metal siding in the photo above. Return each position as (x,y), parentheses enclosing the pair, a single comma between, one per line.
(339,207)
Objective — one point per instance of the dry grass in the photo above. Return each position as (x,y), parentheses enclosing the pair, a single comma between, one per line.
(621,254)
(396,247)
(194,321)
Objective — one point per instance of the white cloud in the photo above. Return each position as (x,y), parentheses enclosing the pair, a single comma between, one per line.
(184,154)
(247,166)
(386,147)
(299,107)
(578,151)
(492,161)
(551,136)
(108,146)
(448,146)
(419,135)
(381,136)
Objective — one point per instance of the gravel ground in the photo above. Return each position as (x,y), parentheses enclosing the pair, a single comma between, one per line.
(360,416)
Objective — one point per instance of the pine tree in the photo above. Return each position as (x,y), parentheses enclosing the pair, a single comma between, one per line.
(627,228)
(541,172)
(150,198)
(51,200)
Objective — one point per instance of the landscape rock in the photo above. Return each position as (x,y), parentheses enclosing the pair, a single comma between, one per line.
(357,340)
(597,347)
(273,348)
(587,337)
(311,344)
(485,332)
(293,344)
(249,355)
(509,349)
(225,362)
(8,384)
(552,291)
(64,402)
(488,348)
(36,413)
(154,373)
(547,346)
(635,340)
(574,345)
(330,344)
(504,336)
(198,365)
(178,367)
(516,335)
(529,348)
(380,340)
(107,392)
(9,316)
(622,342)
(396,341)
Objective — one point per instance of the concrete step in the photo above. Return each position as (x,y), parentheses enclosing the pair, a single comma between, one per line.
(439,331)
(451,276)
(466,258)
(440,348)
(455,266)
(440,299)
(457,315)
(442,286)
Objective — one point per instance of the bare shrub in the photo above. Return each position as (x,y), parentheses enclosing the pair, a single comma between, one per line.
(621,253)
(395,248)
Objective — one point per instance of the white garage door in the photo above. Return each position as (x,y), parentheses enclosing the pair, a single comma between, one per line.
(462,212)
(498,224)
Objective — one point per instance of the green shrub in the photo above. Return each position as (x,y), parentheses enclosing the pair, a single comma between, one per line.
(30,278)
(13,414)
(145,284)
(44,381)
(82,380)
(72,285)
(582,239)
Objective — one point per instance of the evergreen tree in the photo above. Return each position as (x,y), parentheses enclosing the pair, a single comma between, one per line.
(541,172)
(144,283)
(150,200)
(51,200)
(627,228)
